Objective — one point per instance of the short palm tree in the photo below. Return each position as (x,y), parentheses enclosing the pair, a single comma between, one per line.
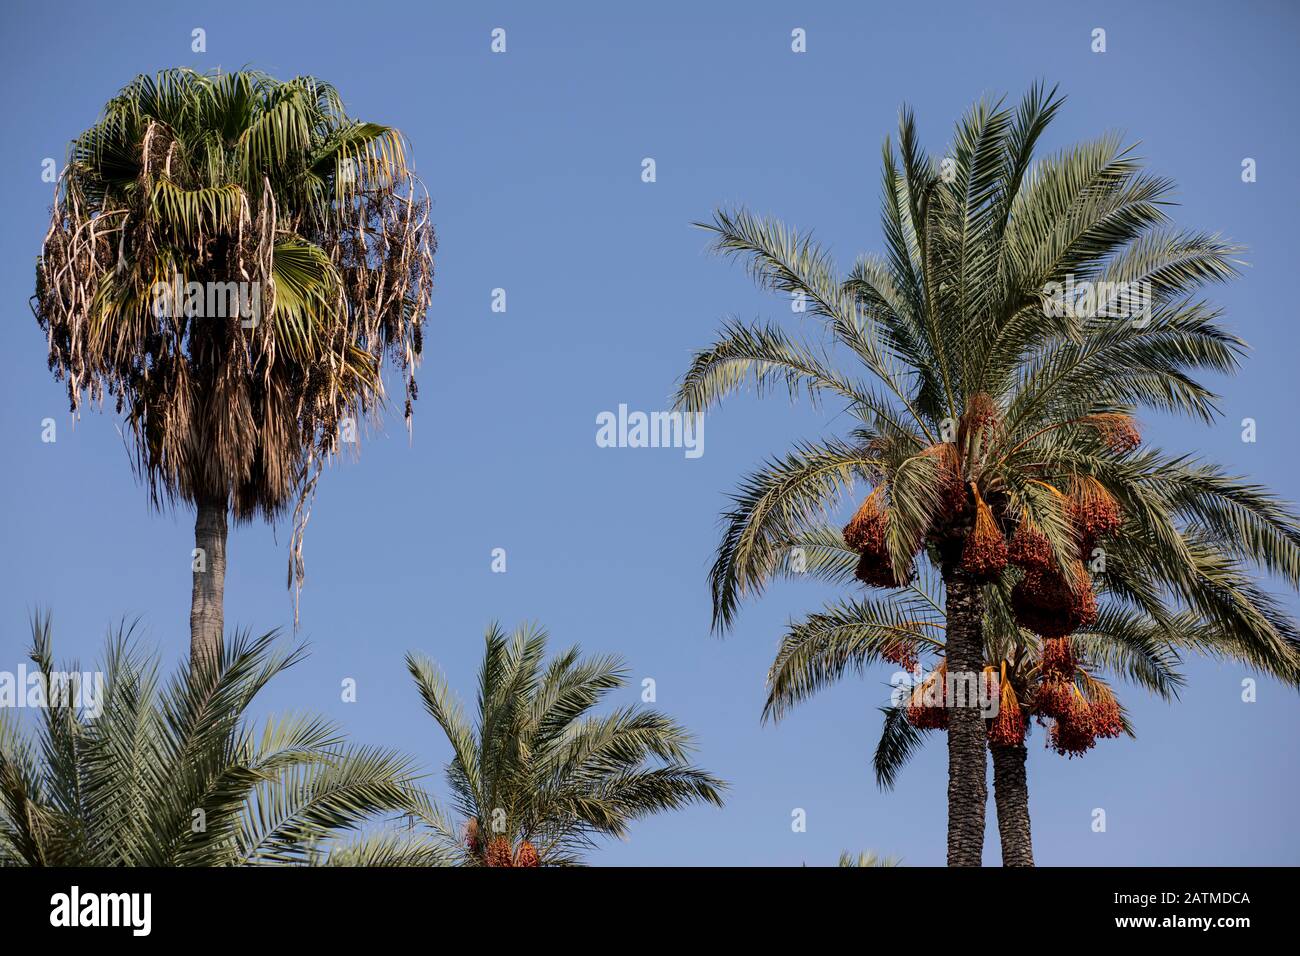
(176,776)
(993,390)
(307,240)
(540,778)
(1037,680)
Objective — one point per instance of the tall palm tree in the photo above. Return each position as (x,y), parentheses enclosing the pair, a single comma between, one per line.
(539,778)
(175,775)
(993,394)
(230,259)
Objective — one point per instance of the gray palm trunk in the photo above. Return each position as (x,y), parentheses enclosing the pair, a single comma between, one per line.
(206,612)
(967,739)
(1011,792)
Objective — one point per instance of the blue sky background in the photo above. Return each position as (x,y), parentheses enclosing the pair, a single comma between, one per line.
(533,159)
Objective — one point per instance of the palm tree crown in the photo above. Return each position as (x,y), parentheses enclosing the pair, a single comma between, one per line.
(176,776)
(311,238)
(539,778)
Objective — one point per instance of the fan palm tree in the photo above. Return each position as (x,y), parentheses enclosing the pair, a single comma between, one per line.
(175,775)
(230,260)
(539,778)
(993,392)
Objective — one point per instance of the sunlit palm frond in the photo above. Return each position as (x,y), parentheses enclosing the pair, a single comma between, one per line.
(175,776)
(538,772)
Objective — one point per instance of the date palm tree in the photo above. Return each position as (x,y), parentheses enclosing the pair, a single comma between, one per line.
(539,778)
(147,774)
(230,260)
(1034,676)
(992,363)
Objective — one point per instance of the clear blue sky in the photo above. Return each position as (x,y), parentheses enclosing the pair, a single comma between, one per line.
(534,160)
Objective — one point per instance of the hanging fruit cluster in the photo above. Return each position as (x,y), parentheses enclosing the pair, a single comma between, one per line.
(980,421)
(1077,720)
(1029,548)
(927,707)
(1048,603)
(1053,697)
(1051,693)
(976,529)
(984,556)
(1071,732)
(900,653)
(1008,728)
(1057,660)
(1107,719)
(970,529)
(1093,511)
(498,849)
(1046,600)
(526,855)
(1117,430)
(1082,721)
(954,498)
(498,852)
(867,533)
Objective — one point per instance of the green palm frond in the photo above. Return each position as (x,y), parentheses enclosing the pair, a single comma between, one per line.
(847,635)
(770,510)
(537,768)
(765,354)
(900,739)
(174,775)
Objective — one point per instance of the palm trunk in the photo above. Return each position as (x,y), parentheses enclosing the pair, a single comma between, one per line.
(1011,791)
(967,739)
(206,613)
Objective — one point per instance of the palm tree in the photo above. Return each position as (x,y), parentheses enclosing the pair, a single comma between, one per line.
(230,260)
(1037,680)
(539,779)
(993,397)
(175,775)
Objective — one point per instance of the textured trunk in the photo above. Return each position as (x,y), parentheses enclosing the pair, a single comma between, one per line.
(206,616)
(1011,791)
(967,740)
